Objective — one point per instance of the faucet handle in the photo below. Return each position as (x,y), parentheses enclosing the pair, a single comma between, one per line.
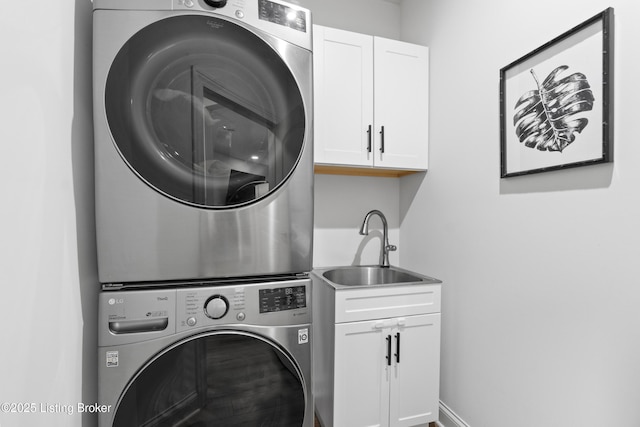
(391,248)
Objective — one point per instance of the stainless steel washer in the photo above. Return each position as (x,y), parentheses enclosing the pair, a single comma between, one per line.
(203,139)
(231,355)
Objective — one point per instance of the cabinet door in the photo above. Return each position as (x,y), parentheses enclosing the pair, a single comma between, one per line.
(416,371)
(401,104)
(361,395)
(343,96)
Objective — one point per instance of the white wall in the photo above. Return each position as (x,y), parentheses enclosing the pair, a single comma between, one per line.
(540,300)
(47,249)
(342,202)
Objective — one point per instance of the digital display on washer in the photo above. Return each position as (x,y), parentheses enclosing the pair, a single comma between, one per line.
(282,15)
(280,299)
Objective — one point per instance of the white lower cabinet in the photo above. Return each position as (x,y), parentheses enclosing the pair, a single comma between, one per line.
(382,371)
(385,370)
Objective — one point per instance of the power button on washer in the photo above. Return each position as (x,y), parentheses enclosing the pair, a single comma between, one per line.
(239,14)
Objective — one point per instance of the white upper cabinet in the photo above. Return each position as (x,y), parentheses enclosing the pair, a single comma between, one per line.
(371,104)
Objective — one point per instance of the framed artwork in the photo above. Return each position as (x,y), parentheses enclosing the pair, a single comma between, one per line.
(556,102)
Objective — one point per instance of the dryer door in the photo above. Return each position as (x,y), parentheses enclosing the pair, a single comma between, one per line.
(219,379)
(205,111)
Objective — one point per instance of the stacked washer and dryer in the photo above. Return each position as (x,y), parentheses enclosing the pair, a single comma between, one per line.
(204,212)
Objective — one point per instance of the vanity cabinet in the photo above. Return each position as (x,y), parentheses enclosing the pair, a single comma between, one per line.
(370,101)
(376,355)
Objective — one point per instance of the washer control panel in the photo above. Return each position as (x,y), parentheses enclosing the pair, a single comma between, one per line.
(284,298)
(127,316)
(268,304)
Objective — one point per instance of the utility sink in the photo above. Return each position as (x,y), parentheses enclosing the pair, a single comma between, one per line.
(367,275)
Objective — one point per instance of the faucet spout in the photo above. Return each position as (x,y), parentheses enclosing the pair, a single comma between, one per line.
(385,247)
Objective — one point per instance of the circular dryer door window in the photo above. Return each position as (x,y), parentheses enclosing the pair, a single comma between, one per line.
(205,111)
(222,379)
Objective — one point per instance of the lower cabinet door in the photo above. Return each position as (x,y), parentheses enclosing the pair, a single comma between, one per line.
(387,372)
(362,375)
(415,374)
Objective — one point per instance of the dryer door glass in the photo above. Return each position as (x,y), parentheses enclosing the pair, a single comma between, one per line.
(205,111)
(223,379)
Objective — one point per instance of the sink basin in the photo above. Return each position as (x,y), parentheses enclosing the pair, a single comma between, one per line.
(372,275)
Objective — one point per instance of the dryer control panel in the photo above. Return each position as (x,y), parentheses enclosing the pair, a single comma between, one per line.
(282,14)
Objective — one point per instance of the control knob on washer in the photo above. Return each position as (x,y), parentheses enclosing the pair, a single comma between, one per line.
(216,307)
(216,3)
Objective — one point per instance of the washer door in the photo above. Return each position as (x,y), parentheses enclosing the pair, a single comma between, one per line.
(219,379)
(204,111)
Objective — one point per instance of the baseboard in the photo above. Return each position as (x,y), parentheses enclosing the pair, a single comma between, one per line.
(448,418)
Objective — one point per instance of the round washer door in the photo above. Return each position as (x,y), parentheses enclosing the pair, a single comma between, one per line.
(205,111)
(218,379)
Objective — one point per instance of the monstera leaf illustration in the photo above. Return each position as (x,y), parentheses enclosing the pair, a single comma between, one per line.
(545,118)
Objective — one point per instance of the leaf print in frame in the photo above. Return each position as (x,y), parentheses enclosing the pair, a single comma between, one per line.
(548,118)
(556,102)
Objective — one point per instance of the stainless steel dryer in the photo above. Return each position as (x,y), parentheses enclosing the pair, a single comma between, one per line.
(233,355)
(203,139)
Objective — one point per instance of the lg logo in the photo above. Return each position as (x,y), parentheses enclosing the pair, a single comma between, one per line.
(113,301)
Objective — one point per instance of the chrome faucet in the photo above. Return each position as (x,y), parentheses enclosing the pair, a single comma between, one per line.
(385,247)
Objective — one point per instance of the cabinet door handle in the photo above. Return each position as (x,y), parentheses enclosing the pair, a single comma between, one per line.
(398,347)
(382,139)
(369,139)
(388,350)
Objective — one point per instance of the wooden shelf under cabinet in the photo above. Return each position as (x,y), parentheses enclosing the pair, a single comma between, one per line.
(357,171)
